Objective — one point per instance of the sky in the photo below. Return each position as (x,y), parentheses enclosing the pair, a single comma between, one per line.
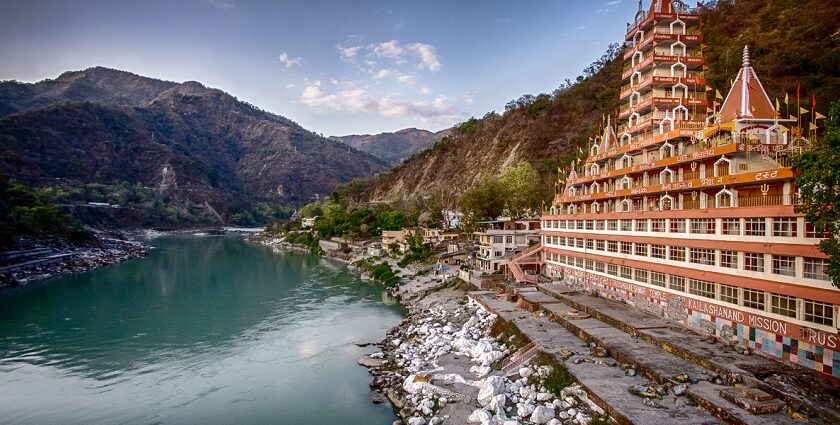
(336,67)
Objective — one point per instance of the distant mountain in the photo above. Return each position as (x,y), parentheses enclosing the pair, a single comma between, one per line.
(178,153)
(394,148)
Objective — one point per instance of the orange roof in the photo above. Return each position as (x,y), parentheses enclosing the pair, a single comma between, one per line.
(747,98)
(660,6)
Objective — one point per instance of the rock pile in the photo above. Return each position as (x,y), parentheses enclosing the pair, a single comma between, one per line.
(409,371)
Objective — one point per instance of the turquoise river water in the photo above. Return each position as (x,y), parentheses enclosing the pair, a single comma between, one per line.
(208,330)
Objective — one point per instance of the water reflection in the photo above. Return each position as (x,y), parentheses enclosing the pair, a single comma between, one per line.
(203,330)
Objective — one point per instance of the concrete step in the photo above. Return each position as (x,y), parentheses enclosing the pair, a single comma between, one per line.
(670,338)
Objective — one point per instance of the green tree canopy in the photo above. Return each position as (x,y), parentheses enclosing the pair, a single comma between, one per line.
(818,181)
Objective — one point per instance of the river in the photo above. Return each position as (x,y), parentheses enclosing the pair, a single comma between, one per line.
(210,330)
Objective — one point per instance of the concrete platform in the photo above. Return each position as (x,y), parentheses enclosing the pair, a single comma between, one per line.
(607,386)
(682,343)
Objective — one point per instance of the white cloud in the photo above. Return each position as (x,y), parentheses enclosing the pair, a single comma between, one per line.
(389,49)
(289,61)
(399,25)
(394,74)
(428,55)
(580,27)
(393,49)
(348,53)
(359,100)
(291,85)
(425,90)
(469,99)
(613,2)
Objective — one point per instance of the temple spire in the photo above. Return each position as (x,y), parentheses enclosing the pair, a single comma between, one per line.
(747,97)
(746,56)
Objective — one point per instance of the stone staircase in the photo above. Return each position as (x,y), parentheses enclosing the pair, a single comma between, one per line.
(520,357)
(728,397)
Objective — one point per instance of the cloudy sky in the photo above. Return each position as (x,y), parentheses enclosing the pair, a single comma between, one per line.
(335,66)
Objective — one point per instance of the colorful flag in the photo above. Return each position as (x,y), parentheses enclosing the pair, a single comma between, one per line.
(718,95)
(786,98)
(777,104)
(812,126)
(818,116)
(813,101)
(802,111)
(797,90)
(708,88)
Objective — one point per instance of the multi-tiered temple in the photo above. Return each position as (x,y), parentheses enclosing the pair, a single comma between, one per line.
(690,215)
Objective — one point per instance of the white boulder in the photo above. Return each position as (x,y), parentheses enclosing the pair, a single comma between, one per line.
(524,409)
(417,420)
(526,372)
(491,386)
(542,414)
(480,416)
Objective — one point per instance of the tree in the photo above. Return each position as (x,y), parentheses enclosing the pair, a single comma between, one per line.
(485,201)
(523,187)
(390,220)
(818,180)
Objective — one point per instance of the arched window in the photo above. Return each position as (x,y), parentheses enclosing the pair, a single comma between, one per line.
(683,70)
(625,182)
(674,27)
(635,99)
(638,37)
(595,187)
(594,149)
(662,128)
(626,205)
(633,120)
(625,161)
(666,150)
(723,167)
(626,138)
(595,207)
(678,49)
(666,203)
(594,169)
(724,199)
(666,176)
(636,59)
(679,86)
(635,78)
(680,113)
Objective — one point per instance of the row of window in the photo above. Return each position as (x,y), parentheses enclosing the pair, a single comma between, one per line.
(798,308)
(778,226)
(784,265)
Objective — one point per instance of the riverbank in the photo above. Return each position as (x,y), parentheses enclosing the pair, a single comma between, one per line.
(450,361)
(43,262)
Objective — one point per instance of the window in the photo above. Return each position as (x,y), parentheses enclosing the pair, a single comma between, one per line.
(782,304)
(561,224)
(612,225)
(703,226)
(815,268)
(626,272)
(754,262)
(612,246)
(590,244)
(579,262)
(508,239)
(755,227)
(753,299)
(657,279)
(785,227)
(580,224)
(599,266)
(641,276)
(731,226)
(626,248)
(819,313)
(579,243)
(589,225)
(612,269)
(784,265)
(626,225)
(677,253)
(729,294)
(497,239)
(657,225)
(702,256)
(641,249)
(702,288)
(677,225)
(641,226)
(599,245)
(729,259)
(677,283)
(589,264)
(812,231)
(599,224)
(657,251)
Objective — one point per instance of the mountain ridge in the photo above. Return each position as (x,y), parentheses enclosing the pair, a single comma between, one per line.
(188,152)
(394,147)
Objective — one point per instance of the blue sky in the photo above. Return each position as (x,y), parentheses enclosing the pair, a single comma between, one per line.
(336,67)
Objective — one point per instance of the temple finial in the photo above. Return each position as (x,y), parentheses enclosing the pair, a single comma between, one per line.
(746,56)
(640,6)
